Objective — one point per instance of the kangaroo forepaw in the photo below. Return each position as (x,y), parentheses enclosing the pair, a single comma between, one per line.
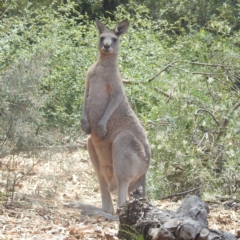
(102,131)
(87,130)
(86,127)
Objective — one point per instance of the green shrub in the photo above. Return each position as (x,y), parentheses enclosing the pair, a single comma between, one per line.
(189,108)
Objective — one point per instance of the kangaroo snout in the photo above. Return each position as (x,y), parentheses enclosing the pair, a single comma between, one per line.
(107,47)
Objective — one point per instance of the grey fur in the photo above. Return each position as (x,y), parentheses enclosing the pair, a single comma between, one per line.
(117,144)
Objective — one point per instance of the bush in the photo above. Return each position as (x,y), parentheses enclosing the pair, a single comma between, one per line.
(184,88)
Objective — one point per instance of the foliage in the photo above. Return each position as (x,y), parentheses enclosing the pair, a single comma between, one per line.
(186,16)
(184,86)
(93,9)
(176,17)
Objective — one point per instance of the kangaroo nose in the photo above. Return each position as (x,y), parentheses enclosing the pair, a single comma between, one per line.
(106,47)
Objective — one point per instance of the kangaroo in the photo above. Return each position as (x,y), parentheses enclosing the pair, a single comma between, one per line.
(117,145)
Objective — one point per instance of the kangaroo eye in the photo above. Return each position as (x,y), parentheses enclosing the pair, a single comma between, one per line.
(101,39)
(114,39)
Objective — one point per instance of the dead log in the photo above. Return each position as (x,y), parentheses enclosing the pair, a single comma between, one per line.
(189,222)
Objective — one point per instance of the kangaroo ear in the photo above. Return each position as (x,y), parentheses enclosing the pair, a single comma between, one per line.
(121,28)
(100,27)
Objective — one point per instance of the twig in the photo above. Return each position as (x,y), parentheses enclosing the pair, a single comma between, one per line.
(181,193)
(205,110)
(208,74)
(232,80)
(162,92)
(226,120)
(207,64)
(235,107)
(195,129)
(20,175)
(7,134)
(200,142)
(5,12)
(125,81)
(164,69)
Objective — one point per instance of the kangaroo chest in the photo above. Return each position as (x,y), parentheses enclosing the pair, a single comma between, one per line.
(100,93)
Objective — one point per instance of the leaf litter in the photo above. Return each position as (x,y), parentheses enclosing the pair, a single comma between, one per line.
(37,211)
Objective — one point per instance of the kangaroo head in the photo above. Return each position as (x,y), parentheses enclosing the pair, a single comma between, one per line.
(109,39)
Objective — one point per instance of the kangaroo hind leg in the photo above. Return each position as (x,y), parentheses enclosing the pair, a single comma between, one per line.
(130,164)
(107,204)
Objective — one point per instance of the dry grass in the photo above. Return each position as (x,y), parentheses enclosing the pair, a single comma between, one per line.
(37,210)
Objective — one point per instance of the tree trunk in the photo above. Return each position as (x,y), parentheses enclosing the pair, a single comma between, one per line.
(189,222)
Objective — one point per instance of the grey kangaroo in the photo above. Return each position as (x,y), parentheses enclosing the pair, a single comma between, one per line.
(117,145)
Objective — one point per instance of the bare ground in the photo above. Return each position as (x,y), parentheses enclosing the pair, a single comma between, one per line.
(37,210)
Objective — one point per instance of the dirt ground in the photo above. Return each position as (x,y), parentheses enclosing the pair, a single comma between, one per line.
(37,211)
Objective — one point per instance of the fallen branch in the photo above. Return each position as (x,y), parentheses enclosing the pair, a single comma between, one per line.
(164,69)
(181,193)
(140,218)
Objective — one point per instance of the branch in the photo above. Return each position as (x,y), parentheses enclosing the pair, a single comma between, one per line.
(235,107)
(164,69)
(204,110)
(162,92)
(207,73)
(5,12)
(226,120)
(7,134)
(207,64)
(125,81)
(181,193)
